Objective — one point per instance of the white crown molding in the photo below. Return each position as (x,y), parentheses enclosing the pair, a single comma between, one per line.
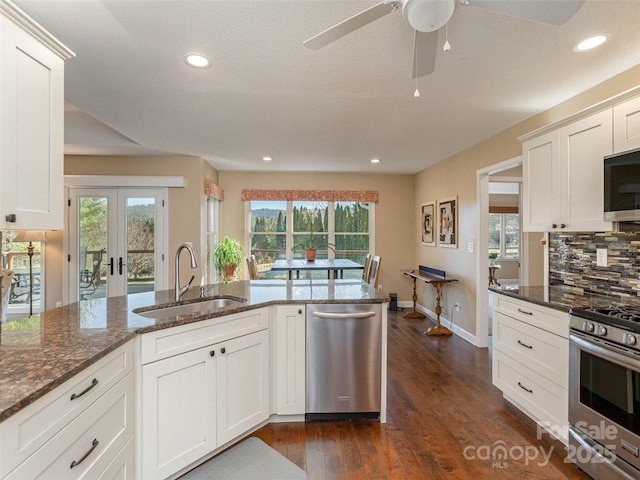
(598,107)
(123,181)
(20,18)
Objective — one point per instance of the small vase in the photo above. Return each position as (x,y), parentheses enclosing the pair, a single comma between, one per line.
(310,253)
(228,271)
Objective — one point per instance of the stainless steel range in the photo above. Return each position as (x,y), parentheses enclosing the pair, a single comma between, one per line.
(604,391)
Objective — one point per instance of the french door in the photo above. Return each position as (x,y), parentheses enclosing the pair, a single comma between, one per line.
(117,241)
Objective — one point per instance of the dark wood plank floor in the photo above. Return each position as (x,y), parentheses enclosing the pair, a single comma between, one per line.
(445,420)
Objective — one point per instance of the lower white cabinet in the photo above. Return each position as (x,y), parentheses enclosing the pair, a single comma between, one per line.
(199,400)
(530,359)
(77,430)
(290,360)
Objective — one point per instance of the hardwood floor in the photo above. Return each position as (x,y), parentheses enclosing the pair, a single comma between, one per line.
(444,421)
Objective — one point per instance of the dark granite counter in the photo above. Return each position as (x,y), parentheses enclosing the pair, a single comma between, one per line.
(561,297)
(41,352)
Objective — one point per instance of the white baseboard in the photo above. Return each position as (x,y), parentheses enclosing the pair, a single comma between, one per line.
(461,332)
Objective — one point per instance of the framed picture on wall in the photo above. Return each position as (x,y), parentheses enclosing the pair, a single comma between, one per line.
(428,224)
(448,222)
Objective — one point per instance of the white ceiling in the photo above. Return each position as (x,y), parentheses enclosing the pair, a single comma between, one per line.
(328,110)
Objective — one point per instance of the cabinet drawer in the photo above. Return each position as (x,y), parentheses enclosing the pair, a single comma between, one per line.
(553,321)
(543,399)
(543,352)
(26,431)
(104,428)
(173,341)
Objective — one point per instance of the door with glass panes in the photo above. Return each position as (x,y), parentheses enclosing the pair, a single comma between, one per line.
(116,241)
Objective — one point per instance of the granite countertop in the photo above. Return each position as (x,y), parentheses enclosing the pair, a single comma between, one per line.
(40,352)
(563,298)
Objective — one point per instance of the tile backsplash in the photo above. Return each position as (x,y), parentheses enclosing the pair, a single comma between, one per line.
(572,262)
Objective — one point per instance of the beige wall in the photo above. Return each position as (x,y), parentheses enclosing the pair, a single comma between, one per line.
(457,176)
(186,205)
(395,230)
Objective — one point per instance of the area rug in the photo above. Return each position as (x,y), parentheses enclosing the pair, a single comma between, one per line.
(251,459)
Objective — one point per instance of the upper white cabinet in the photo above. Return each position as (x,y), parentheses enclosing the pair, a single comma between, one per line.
(626,126)
(31,123)
(563,176)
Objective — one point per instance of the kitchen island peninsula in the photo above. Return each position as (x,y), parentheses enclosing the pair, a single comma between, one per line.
(97,366)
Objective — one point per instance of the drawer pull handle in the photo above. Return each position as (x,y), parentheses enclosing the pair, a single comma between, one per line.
(525,312)
(94,382)
(524,388)
(524,345)
(94,444)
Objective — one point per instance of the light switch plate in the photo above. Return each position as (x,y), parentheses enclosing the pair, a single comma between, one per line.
(470,247)
(601,257)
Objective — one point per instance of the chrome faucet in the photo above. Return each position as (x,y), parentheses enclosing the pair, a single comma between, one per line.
(181,290)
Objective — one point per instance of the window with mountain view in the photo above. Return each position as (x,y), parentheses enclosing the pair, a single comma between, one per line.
(282,229)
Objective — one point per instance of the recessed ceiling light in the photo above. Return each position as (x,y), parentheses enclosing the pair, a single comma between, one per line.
(267,158)
(591,42)
(375,160)
(197,60)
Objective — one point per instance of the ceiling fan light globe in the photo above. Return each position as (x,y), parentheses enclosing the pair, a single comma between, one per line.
(427,15)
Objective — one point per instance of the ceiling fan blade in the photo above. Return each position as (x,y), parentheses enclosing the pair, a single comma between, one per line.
(424,53)
(554,12)
(351,24)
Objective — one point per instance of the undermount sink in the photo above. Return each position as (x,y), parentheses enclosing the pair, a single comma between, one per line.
(197,307)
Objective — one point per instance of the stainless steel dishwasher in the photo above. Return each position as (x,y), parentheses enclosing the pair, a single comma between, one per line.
(343,360)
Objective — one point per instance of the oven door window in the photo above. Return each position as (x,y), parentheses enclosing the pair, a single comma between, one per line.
(611,390)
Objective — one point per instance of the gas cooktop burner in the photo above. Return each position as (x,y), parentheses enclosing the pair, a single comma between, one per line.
(624,317)
(631,314)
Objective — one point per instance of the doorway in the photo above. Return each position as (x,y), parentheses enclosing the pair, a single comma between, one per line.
(117,241)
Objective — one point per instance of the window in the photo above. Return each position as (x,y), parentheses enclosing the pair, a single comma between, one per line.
(281,229)
(16,258)
(213,209)
(504,235)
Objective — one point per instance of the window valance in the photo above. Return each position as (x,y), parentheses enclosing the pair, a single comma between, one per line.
(213,190)
(502,209)
(312,195)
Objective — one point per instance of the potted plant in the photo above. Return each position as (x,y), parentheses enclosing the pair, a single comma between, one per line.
(310,246)
(227,257)
(492,257)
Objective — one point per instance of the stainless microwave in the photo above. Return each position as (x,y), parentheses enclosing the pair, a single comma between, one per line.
(622,187)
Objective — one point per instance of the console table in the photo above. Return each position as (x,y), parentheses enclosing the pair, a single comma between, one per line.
(437,281)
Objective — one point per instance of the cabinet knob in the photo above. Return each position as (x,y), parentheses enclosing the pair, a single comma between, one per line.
(299,311)
(222,350)
(212,353)
(11,218)
(554,225)
(562,225)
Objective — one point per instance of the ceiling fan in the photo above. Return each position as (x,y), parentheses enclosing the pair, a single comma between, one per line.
(426,17)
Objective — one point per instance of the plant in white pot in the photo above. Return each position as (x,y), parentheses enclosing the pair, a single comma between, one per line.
(227,257)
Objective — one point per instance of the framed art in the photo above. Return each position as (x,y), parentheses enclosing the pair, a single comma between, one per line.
(428,224)
(448,222)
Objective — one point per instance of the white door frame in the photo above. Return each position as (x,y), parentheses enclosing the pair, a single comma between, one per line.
(116,181)
(482,234)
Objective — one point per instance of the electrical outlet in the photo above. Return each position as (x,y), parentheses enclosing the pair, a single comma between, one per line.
(380,287)
(601,257)
(470,247)
(456,307)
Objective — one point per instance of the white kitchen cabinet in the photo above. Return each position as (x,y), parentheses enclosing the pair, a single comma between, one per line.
(530,359)
(563,177)
(626,126)
(290,360)
(31,123)
(197,400)
(87,420)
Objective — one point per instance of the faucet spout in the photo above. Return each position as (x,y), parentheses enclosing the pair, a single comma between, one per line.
(194,264)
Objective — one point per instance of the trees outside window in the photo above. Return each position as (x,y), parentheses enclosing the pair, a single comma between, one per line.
(278,226)
(504,235)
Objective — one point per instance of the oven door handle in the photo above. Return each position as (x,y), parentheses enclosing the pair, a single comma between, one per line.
(606,353)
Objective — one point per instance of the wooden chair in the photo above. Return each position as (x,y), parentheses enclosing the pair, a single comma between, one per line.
(366,267)
(374,270)
(252,267)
